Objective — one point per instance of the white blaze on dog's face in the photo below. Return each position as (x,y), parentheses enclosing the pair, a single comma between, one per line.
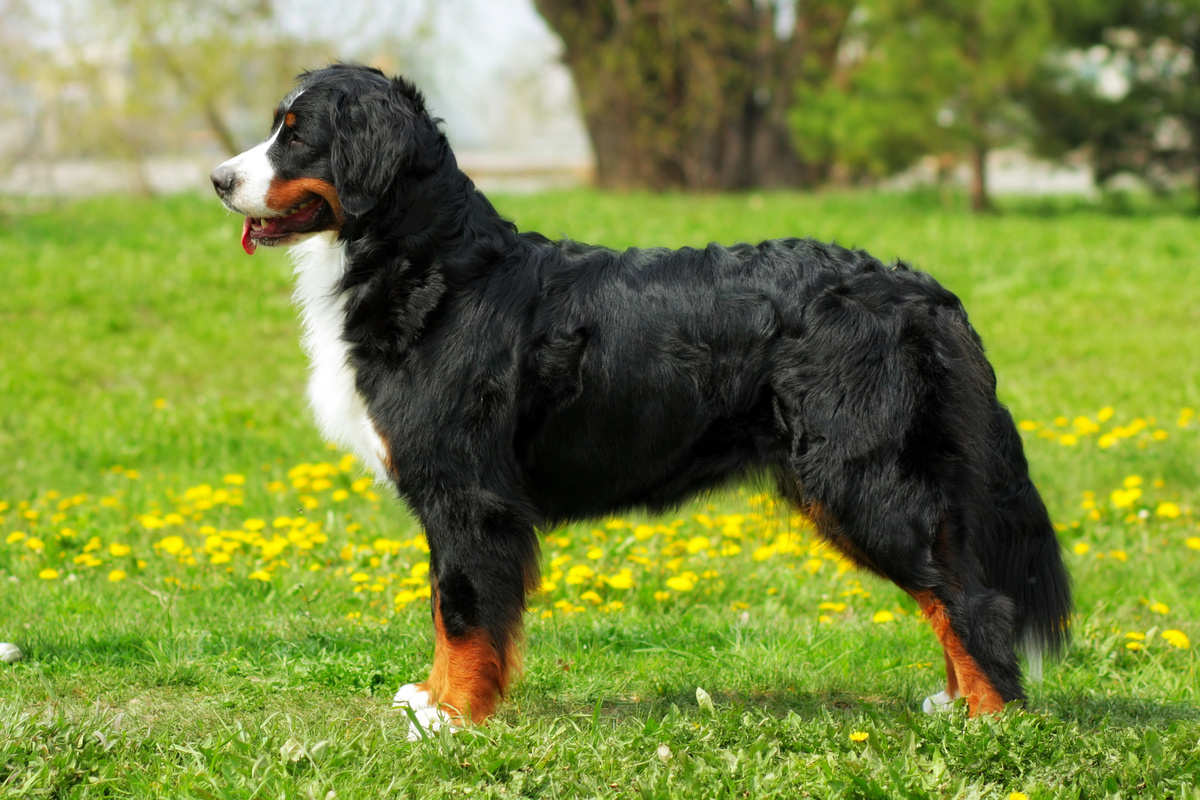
(283,186)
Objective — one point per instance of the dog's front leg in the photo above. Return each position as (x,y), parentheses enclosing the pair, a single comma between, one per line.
(479,574)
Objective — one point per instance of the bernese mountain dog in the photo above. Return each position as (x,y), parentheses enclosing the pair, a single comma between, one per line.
(506,383)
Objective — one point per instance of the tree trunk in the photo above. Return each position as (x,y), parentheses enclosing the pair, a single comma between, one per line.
(678,94)
(981,201)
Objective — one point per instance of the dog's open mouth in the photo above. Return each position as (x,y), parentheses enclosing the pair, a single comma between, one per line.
(270,231)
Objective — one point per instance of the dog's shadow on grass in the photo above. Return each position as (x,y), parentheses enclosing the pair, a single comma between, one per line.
(1084,711)
(1120,712)
(617,710)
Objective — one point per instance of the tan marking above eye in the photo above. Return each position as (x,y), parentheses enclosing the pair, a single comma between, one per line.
(289,119)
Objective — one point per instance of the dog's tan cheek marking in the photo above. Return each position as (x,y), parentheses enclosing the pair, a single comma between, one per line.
(282,195)
(962,672)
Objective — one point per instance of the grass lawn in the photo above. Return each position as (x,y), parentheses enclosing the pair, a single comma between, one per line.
(214,604)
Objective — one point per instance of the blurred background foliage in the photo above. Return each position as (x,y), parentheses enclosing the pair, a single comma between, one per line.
(672,94)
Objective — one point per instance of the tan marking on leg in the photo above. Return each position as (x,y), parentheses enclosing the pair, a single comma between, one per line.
(469,675)
(951,676)
(962,672)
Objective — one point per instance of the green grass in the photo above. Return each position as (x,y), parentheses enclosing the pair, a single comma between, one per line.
(151,409)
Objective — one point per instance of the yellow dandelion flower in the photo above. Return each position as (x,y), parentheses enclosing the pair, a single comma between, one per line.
(1193,542)
(1135,646)
(698,543)
(1018,796)
(591,597)
(595,554)
(1177,639)
(172,544)
(1136,636)
(837,608)
(360,577)
(260,575)
(118,550)
(1168,511)
(1081,548)
(620,580)
(234,479)
(683,583)
(882,616)
(254,525)
(14,537)
(1132,481)
(1125,498)
(48,574)
(117,575)
(859,736)
(660,596)
(764,552)
(1160,608)
(579,574)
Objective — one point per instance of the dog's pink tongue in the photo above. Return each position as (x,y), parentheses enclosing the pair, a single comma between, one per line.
(247,245)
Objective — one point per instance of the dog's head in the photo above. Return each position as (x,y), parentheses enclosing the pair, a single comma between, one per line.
(339,141)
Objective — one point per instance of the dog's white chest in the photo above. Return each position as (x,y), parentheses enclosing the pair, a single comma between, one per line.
(339,408)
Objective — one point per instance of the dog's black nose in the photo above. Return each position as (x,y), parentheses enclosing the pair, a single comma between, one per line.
(223,179)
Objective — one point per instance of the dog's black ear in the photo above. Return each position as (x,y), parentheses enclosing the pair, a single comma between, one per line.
(374,139)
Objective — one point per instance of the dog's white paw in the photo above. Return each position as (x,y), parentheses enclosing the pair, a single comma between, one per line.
(938,702)
(429,721)
(426,716)
(411,695)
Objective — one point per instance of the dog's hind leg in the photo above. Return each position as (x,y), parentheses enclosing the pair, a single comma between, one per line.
(986,673)
(483,561)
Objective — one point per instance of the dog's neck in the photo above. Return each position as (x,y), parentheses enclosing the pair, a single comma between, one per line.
(436,217)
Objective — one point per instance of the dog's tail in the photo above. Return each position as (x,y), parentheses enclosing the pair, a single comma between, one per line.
(1010,536)
(1021,555)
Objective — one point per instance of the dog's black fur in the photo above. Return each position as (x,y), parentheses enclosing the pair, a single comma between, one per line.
(521,382)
